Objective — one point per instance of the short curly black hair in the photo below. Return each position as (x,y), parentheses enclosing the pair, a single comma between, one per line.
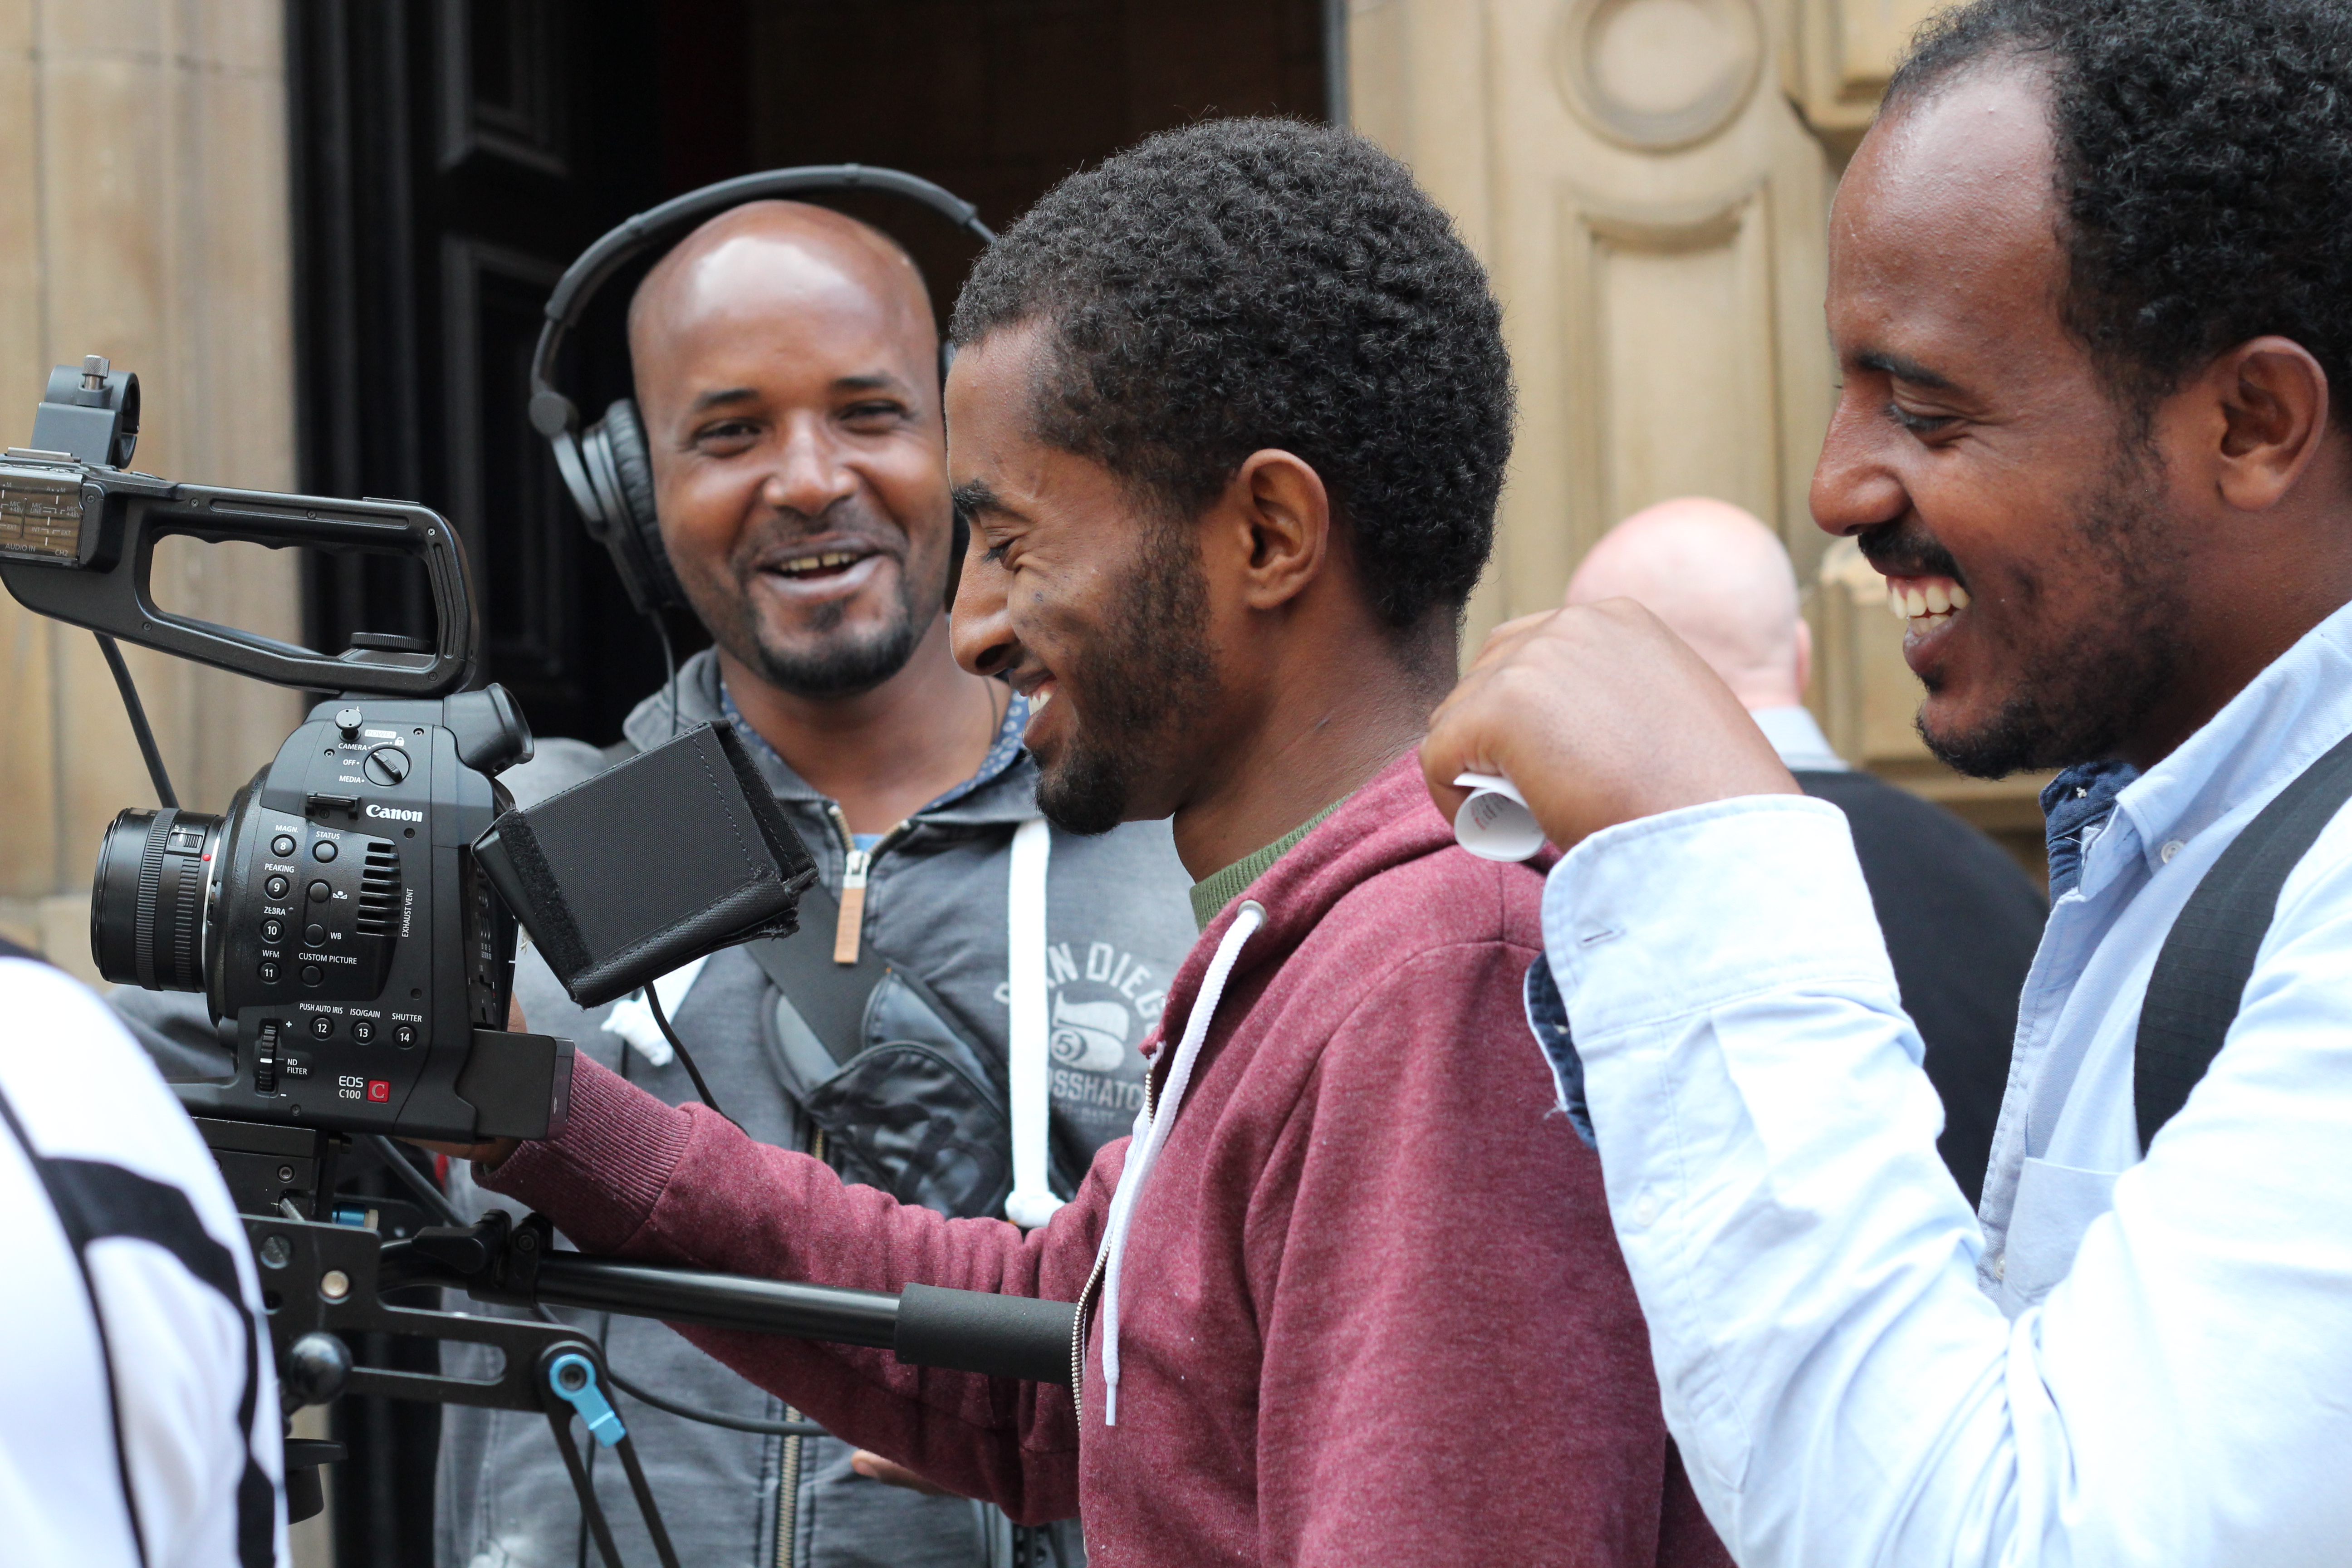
(1241,284)
(2204,152)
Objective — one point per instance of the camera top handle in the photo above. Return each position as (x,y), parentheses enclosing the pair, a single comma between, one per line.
(92,570)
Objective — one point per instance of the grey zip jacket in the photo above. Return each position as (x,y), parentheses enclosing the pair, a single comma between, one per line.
(1118,923)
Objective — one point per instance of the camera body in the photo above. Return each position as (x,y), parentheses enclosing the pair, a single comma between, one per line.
(337,917)
(336,913)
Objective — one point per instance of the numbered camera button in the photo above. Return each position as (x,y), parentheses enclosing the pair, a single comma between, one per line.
(363,1031)
(269,973)
(403,1035)
(276,887)
(282,845)
(321,1027)
(273,930)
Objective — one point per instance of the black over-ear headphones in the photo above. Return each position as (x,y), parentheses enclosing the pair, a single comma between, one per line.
(607,466)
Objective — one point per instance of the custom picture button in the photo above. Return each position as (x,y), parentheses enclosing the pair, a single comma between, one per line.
(312,974)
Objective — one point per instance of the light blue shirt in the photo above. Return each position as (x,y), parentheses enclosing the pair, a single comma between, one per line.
(1797,738)
(2129,1360)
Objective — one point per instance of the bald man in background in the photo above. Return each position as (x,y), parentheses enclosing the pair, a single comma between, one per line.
(1962,921)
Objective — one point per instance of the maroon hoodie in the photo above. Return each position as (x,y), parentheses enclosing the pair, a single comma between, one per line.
(1372,1309)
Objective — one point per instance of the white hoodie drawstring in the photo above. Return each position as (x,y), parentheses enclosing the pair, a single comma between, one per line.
(1151,1133)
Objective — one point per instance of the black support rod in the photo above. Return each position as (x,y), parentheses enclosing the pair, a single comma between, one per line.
(719,1301)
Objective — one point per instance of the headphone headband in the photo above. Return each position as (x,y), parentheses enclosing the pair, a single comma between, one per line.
(552,413)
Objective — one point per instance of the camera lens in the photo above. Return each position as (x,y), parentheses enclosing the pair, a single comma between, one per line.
(150,917)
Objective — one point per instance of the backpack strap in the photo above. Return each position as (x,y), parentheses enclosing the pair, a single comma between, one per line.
(2200,974)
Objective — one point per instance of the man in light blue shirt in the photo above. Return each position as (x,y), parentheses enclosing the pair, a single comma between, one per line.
(2091,287)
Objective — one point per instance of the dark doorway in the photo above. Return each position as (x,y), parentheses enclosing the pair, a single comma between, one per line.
(452,156)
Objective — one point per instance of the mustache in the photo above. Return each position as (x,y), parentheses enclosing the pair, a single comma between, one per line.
(850,520)
(1907,550)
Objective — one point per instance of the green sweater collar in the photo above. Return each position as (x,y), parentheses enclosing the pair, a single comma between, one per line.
(1210,897)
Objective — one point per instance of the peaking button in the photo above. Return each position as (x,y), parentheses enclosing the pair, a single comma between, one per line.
(321,1027)
(320,892)
(312,974)
(323,851)
(282,845)
(276,887)
(269,973)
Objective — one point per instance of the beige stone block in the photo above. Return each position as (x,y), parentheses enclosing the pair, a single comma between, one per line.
(1842,53)
(27,754)
(243,38)
(64,936)
(124,29)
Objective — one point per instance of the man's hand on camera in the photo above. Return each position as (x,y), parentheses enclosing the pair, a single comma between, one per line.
(1599,715)
(493,1153)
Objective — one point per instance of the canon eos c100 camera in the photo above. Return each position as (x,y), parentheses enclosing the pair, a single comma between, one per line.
(337,914)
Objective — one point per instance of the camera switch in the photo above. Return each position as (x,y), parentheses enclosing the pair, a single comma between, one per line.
(321,1027)
(314,934)
(405,1035)
(364,1031)
(312,974)
(276,887)
(282,845)
(269,973)
(273,930)
(386,766)
(323,851)
(320,892)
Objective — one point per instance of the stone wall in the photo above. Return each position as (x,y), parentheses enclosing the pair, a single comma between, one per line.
(143,217)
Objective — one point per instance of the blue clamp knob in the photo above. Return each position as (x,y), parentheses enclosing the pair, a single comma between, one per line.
(574,1378)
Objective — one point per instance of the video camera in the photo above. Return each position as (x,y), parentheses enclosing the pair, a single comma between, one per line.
(353,915)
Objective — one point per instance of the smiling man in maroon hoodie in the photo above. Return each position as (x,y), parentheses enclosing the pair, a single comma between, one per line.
(1229,424)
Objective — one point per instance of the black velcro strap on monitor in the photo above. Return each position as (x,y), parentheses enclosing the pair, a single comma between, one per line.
(2200,974)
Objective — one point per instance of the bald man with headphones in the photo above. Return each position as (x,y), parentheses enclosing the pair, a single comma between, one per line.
(957,1023)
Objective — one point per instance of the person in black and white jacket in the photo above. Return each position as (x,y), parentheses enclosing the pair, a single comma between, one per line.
(138,1415)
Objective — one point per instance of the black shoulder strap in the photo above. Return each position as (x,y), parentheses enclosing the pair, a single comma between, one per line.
(2200,974)
(830,997)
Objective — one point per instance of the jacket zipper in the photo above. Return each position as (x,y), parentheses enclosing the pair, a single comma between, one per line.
(788,1473)
(848,934)
(1085,1294)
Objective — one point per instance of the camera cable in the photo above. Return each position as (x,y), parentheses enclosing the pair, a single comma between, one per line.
(164,795)
(684,1057)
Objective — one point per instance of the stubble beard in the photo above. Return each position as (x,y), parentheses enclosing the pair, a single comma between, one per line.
(1148,685)
(2089,685)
